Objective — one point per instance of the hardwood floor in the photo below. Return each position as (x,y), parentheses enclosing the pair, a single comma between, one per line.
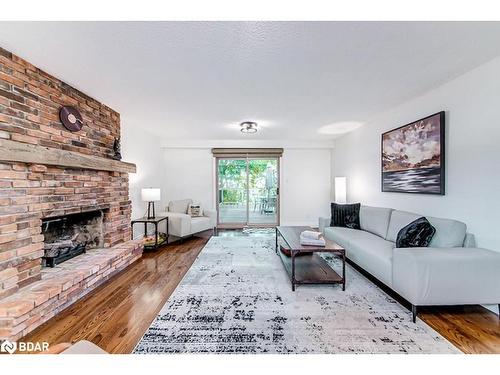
(472,329)
(116,315)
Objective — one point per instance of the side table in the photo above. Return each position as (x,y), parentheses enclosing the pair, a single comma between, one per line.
(155,221)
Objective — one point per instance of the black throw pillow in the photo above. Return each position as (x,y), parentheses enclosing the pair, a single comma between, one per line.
(345,215)
(418,233)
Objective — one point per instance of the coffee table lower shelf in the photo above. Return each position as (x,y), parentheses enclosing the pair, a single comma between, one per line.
(310,269)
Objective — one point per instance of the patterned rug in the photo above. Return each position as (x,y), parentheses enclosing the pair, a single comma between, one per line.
(258,231)
(236,298)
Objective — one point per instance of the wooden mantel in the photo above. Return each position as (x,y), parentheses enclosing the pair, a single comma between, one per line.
(27,153)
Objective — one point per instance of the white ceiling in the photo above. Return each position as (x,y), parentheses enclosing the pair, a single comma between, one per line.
(298,80)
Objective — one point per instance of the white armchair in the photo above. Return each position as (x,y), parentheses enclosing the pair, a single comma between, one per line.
(182,225)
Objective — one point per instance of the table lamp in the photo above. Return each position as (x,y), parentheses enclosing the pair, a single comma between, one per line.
(150,195)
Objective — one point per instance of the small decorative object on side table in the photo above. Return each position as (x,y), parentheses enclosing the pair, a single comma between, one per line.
(159,238)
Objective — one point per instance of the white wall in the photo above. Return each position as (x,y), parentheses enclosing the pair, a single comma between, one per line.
(189,174)
(472,110)
(305,181)
(305,186)
(143,149)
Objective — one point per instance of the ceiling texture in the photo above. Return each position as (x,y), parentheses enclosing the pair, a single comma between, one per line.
(298,80)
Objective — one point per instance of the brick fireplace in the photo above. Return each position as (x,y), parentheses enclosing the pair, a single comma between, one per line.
(68,236)
(48,172)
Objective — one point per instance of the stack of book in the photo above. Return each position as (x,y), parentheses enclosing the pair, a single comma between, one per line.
(309,237)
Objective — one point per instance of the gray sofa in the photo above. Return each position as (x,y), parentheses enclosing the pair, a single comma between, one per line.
(451,271)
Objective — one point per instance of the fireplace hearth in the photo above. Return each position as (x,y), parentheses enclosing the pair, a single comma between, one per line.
(71,235)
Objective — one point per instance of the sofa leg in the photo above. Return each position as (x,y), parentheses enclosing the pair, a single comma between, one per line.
(414,313)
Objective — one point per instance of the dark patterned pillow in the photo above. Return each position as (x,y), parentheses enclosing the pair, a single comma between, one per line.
(345,215)
(418,233)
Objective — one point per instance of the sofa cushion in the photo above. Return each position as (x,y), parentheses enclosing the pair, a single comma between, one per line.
(373,254)
(343,236)
(449,233)
(180,206)
(399,219)
(375,219)
(369,251)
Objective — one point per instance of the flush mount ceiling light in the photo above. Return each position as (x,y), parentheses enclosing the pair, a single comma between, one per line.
(248,127)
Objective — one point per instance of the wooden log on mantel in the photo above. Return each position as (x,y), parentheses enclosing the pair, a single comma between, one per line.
(14,151)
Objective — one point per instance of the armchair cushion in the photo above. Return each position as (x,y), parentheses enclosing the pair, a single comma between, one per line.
(178,224)
(180,206)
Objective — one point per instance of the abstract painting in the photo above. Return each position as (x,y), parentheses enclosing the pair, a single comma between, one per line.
(413,157)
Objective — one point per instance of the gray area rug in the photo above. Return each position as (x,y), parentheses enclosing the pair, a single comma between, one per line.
(236,298)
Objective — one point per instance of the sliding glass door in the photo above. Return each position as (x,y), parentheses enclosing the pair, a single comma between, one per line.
(232,192)
(247,192)
(263,191)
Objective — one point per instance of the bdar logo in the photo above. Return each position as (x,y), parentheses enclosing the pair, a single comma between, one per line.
(8,347)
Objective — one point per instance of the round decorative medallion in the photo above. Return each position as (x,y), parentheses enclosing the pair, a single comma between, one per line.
(71,118)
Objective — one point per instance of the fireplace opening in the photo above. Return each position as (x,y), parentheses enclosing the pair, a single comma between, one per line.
(68,236)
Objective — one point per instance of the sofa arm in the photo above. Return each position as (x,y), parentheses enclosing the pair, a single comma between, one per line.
(178,224)
(446,276)
(324,222)
(212,215)
(470,240)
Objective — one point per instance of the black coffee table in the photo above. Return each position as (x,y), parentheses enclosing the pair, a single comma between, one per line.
(310,268)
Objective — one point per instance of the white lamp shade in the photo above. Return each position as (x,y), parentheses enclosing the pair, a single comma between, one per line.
(150,194)
(340,190)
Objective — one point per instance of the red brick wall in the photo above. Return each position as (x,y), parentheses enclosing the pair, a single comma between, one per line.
(30,100)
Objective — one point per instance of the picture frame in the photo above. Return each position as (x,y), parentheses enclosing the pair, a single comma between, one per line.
(413,157)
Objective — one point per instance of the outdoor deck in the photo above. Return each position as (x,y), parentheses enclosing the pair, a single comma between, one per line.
(237,214)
